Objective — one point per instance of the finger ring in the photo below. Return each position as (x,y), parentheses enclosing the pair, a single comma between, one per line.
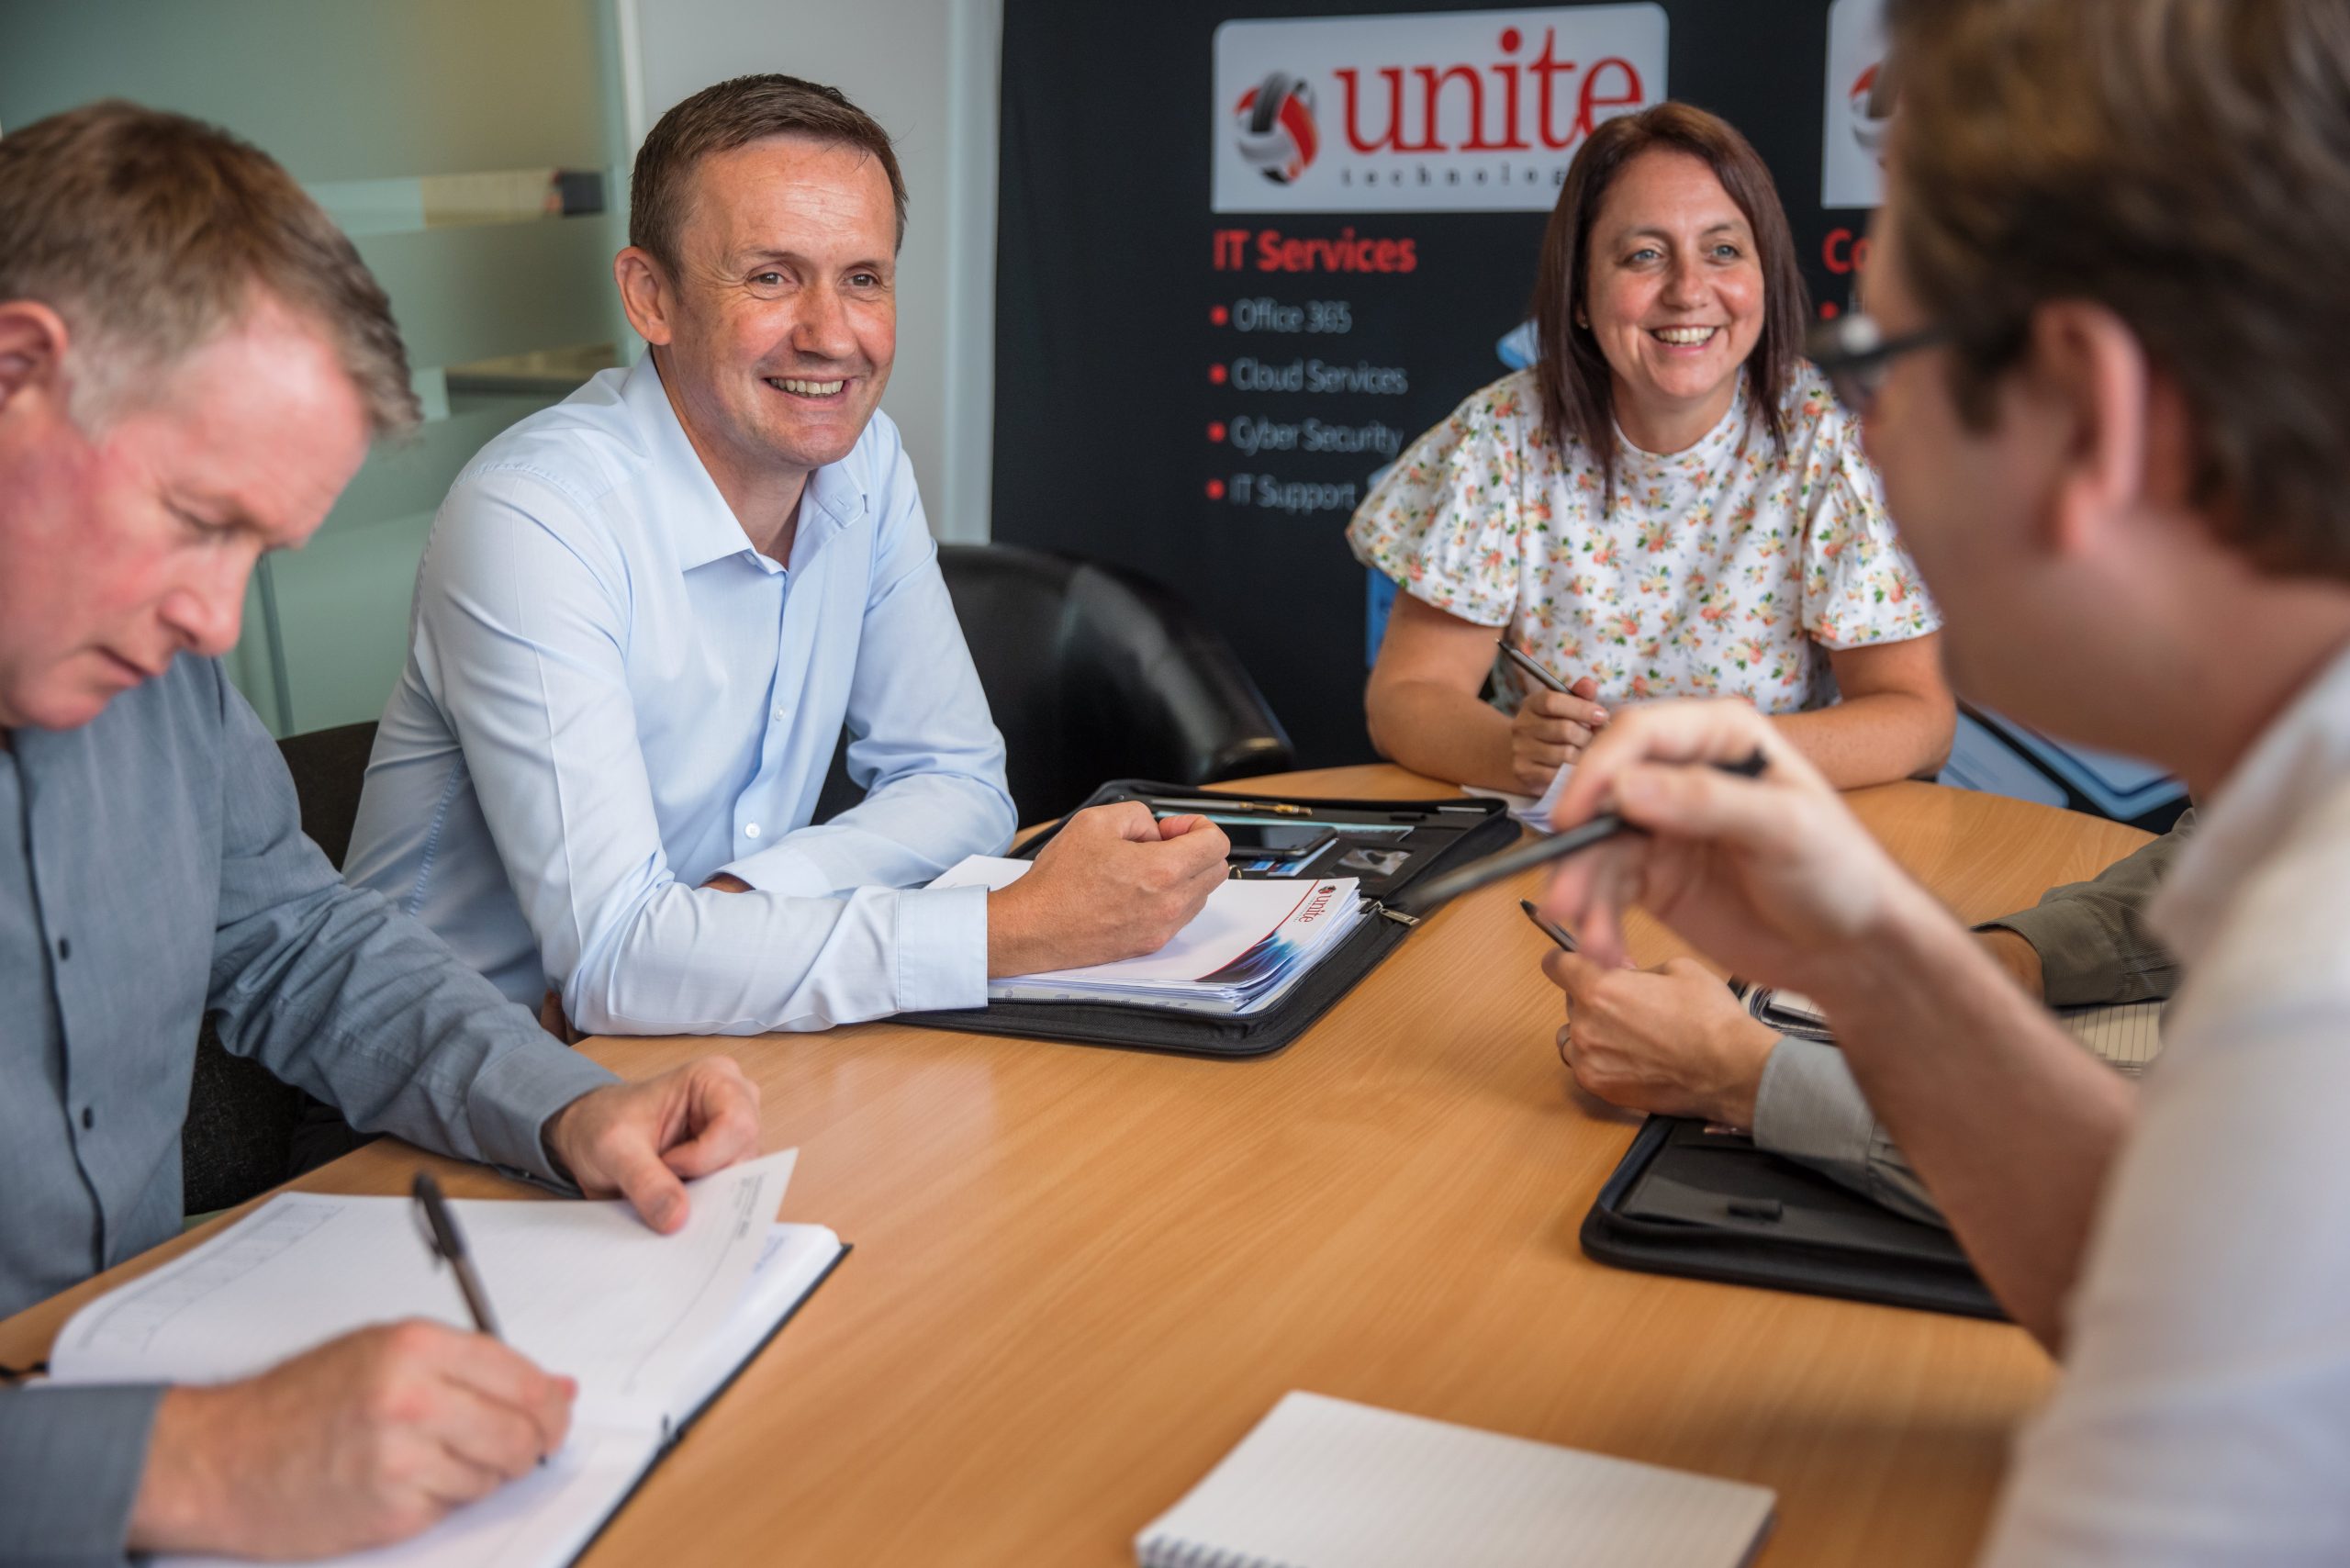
(1566,1037)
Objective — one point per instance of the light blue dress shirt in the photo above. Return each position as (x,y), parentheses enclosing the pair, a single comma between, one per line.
(611,697)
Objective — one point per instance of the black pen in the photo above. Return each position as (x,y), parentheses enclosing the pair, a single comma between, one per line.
(1527,663)
(1550,929)
(1419,900)
(1279,807)
(449,1242)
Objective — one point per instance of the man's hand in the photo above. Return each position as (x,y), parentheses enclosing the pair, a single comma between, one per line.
(1115,883)
(1771,875)
(1551,730)
(1673,1040)
(363,1442)
(645,1140)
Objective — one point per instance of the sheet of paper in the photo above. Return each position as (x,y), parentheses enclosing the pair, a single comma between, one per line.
(790,1262)
(1534,810)
(1238,915)
(1338,1485)
(582,1288)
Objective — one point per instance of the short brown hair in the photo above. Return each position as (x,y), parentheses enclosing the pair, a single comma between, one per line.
(2184,163)
(1578,398)
(734,114)
(150,233)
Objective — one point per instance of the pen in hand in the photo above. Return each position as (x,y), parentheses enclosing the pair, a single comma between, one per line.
(449,1243)
(1531,666)
(1420,899)
(1550,929)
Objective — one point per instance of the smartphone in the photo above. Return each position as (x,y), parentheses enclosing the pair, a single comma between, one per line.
(1275,841)
(1554,931)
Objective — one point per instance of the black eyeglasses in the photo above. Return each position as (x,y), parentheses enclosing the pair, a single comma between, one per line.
(1854,353)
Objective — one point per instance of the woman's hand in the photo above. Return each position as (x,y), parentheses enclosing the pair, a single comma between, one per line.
(1770,876)
(1551,731)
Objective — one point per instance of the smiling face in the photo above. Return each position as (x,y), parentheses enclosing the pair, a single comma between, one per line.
(776,336)
(122,550)
(1673,295)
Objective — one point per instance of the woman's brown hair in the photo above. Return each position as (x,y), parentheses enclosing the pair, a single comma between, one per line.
(1578,394)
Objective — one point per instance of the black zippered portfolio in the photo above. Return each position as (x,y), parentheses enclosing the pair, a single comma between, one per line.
(1702,1201)
(1442,834)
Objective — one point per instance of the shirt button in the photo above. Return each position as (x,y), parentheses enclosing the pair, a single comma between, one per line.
(89,1118)
(779,715)
(750,830)
(64,947)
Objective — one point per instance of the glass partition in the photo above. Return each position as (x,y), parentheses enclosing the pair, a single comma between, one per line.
(475,152)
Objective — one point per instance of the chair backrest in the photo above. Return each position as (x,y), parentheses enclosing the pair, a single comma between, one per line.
(246,1131)
(329,766)
(1094,672)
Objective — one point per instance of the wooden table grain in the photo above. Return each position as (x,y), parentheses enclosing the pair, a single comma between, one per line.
(1081,1274)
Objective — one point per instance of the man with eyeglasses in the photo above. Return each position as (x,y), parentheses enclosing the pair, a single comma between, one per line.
(2110,420)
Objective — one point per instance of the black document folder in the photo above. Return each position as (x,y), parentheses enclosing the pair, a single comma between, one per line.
(1704,1201)
(1429,836)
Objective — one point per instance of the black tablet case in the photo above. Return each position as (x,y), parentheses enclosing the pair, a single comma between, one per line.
(1464,830)
(1706,1204)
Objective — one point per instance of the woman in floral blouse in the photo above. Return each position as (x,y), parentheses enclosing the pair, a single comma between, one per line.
(1671,504)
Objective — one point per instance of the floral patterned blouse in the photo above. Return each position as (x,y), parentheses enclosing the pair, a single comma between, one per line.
(1724,570)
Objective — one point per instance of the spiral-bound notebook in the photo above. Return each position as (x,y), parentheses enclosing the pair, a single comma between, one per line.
(1324,1482)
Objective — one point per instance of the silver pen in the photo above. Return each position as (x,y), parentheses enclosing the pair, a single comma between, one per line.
(1527,663)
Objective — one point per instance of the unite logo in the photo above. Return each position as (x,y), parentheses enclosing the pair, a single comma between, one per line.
(1851,170)
(1455,112)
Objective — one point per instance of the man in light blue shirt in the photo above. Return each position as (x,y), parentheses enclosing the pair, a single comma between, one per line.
(645,615)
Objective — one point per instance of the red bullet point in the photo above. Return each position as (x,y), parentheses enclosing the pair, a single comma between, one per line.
(1828,311)
(1216,433)
(1217,373)
(1215,489)
(1218,315)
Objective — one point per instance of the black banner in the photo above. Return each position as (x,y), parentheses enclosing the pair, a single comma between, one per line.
(1205,395)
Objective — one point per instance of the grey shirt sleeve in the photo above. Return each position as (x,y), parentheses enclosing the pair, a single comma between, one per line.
(332,989)
(2092,938)
(71,1461)
(2094,946)
(1809,1109)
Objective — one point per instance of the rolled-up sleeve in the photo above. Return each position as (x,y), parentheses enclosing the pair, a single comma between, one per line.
(71,1461)
(2093,938)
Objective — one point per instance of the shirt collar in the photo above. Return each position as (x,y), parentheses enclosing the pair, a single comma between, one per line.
(2298,761)
(700,524)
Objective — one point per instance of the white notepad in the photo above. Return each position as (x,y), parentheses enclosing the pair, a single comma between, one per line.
(651,1326)
(1324,1482)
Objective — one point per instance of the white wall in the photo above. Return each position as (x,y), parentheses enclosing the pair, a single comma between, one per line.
(927,71)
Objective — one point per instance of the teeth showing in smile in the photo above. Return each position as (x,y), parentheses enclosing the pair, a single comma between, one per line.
(807,388)
(1683,337)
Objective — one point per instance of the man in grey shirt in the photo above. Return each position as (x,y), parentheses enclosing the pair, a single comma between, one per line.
(193,361)
(1674,1040)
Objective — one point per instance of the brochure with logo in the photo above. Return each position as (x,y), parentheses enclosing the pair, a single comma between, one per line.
(1241,954)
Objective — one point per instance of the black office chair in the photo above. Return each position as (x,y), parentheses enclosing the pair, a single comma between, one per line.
(1092,673)
(246,1131)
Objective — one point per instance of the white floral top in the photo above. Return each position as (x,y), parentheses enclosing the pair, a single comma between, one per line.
(1723,570)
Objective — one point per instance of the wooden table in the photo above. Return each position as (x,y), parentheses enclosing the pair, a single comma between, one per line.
(1080,1275)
